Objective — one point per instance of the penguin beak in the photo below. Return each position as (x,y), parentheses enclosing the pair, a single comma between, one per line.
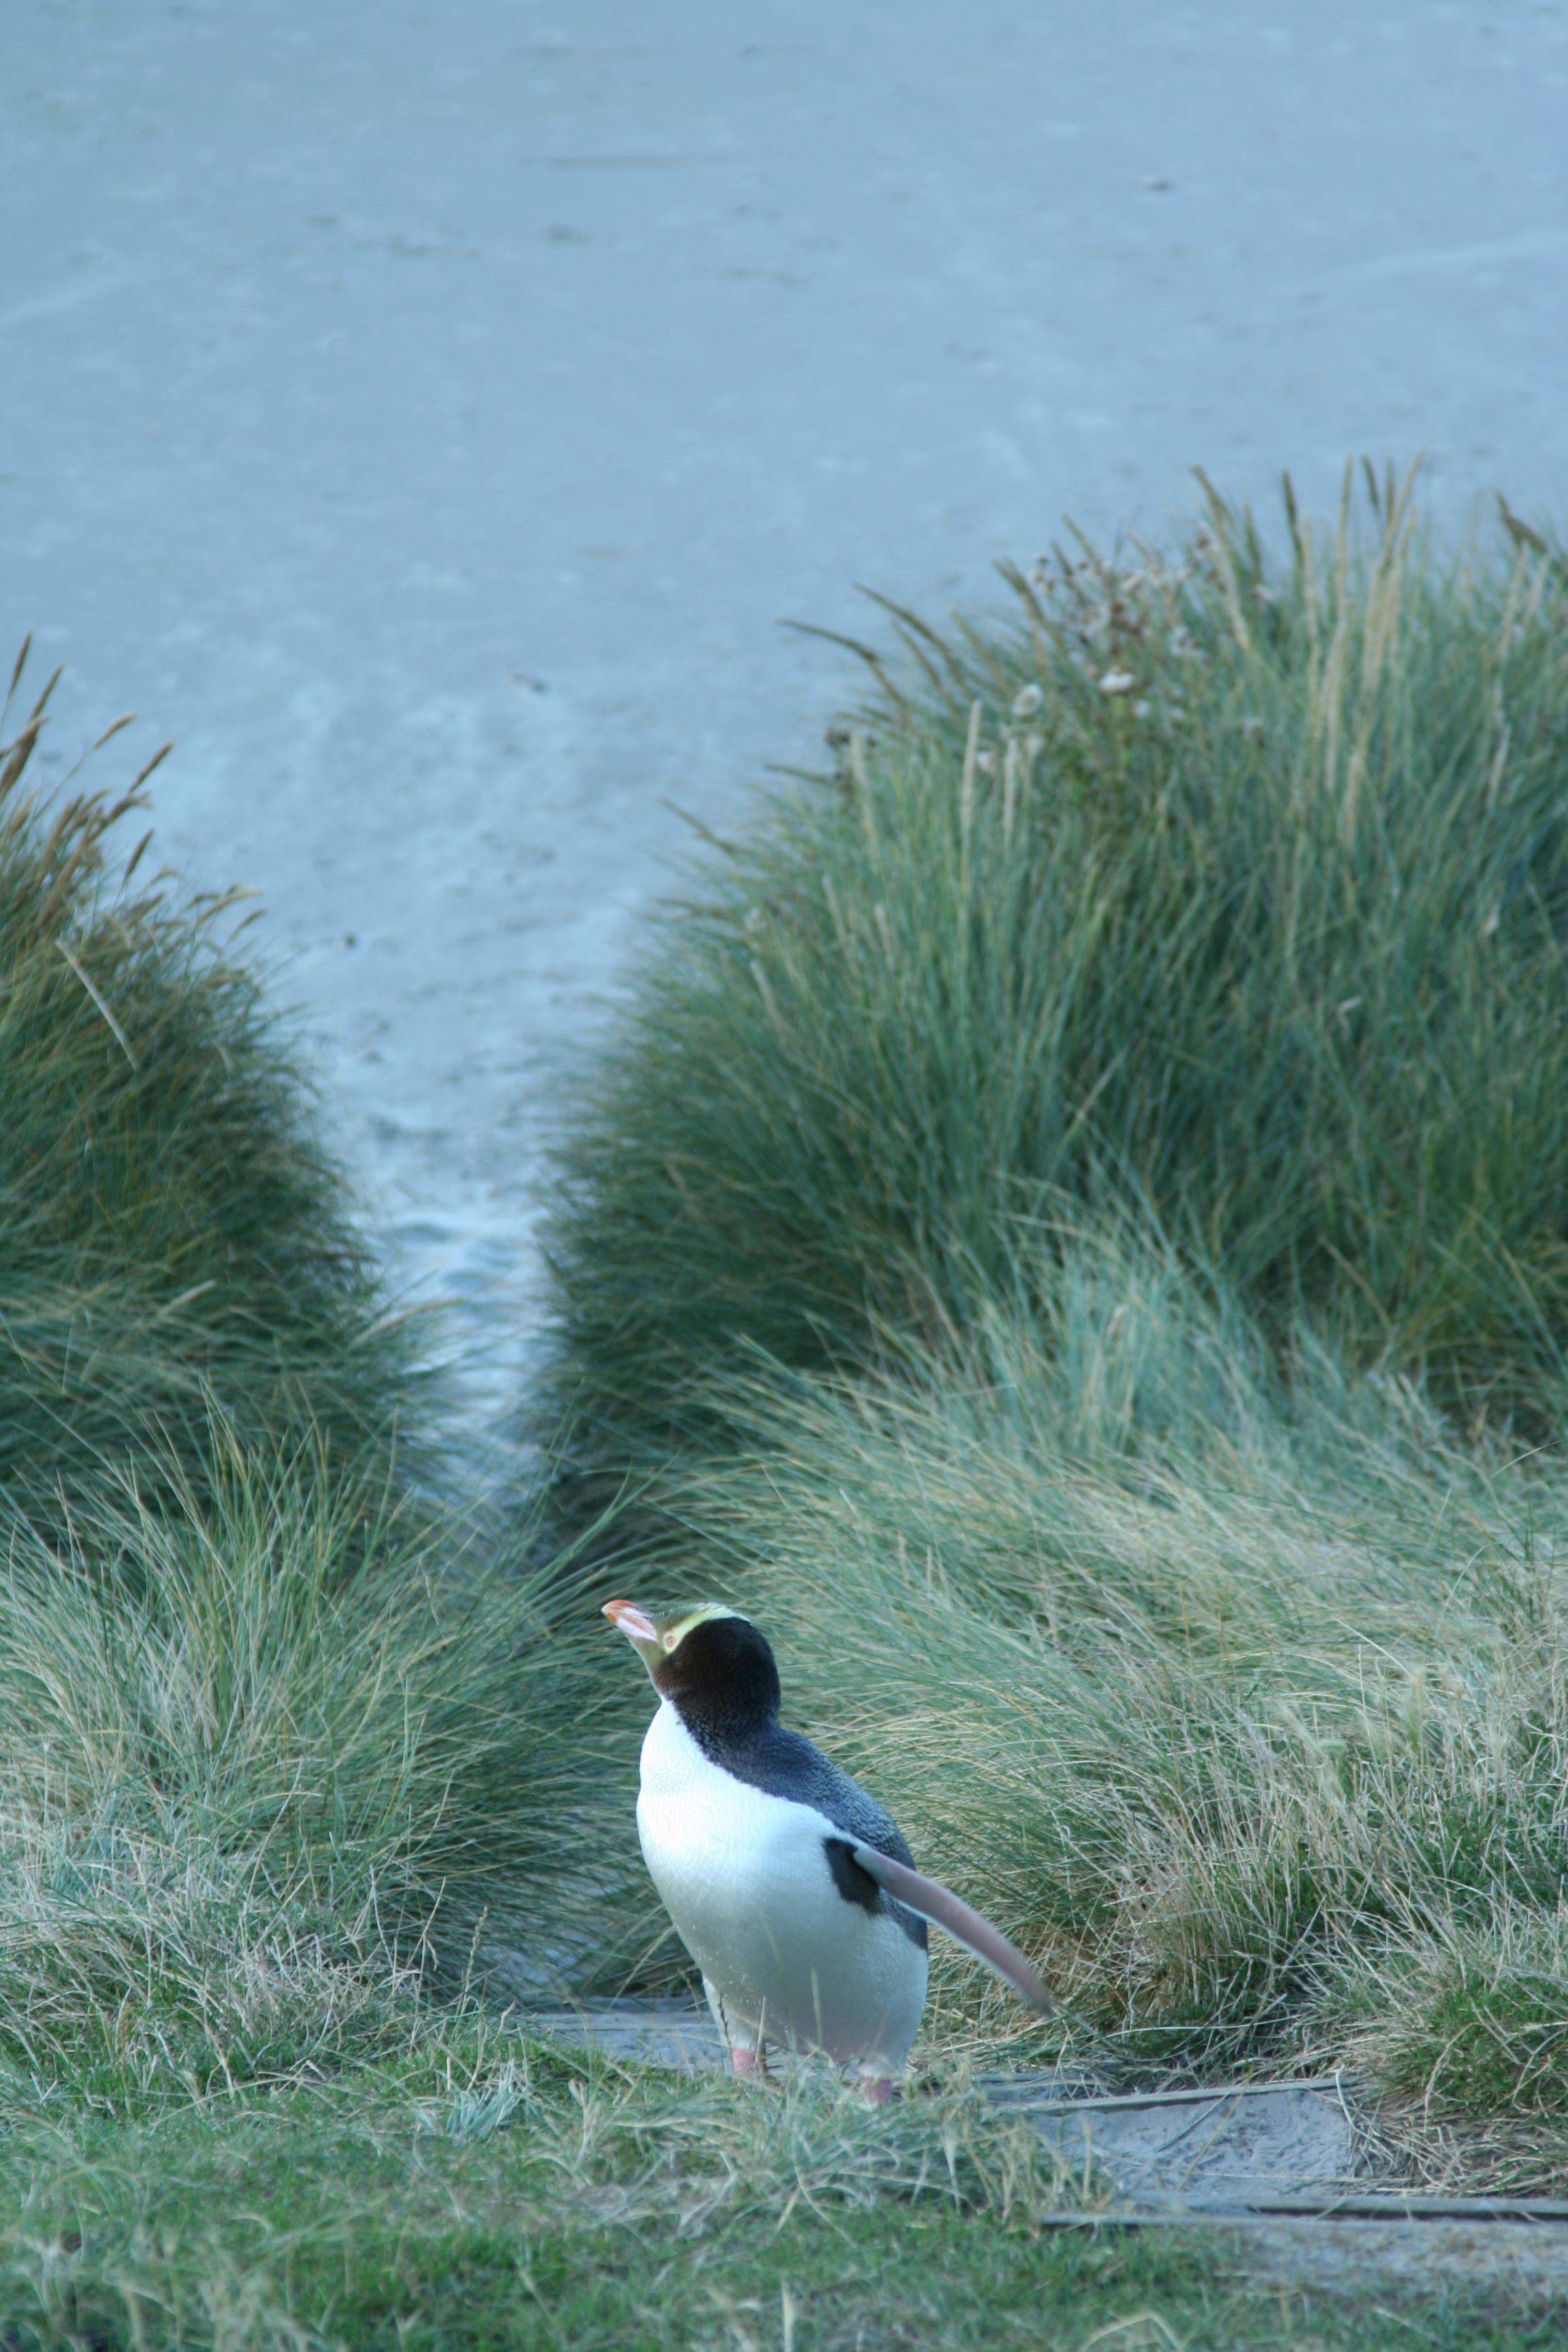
(639,1629)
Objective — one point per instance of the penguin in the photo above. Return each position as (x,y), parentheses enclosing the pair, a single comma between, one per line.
(794,1891)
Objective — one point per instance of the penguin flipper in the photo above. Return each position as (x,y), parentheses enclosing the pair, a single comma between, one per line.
(946,1910)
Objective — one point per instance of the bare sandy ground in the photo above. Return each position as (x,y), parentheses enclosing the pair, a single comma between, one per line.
(425,413)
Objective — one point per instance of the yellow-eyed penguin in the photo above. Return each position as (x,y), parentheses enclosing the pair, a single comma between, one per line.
(792,1889)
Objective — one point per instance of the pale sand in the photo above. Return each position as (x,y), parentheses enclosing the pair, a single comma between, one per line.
(365,362)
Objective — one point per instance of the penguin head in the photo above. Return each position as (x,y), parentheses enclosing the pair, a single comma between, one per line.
(704,1653)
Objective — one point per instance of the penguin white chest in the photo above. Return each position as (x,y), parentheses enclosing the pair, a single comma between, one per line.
(745,1877)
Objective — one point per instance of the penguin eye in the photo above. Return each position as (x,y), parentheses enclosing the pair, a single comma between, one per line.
(670,1640)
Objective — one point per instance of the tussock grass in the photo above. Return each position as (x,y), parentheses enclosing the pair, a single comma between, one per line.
(480,2190)
(1063,1232)
(1241,1704)
(172,1232)
(271,1761)
(1070,1223)
(285,1740)
(1223,888)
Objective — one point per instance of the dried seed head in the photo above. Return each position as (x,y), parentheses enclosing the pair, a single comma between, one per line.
(1026,702)
(1118,681)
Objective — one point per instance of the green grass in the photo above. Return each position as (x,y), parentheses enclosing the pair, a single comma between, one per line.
(289,1744)
(1068,1230)
(479,2192)
(1069,1227)
(172,1234)
(266,1760)
(1225,889)
(278,1724)
(1239,1704)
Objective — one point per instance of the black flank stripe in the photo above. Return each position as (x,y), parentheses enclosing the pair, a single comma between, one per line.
(855,1886)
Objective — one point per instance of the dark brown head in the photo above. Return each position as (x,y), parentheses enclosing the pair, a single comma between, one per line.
(708,1658)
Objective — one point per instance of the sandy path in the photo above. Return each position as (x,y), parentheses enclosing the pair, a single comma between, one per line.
(424,413)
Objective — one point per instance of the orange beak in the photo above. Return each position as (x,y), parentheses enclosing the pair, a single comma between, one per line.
(640,1630)
(634,1622)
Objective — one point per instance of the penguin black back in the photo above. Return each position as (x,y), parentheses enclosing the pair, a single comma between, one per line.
(722,1682)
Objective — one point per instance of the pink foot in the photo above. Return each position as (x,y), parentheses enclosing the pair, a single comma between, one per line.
(875,2090)
(745,2062)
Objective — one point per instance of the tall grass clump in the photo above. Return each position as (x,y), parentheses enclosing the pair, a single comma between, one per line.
(288,1744)
(1071,1227)
(276,1760)
(1232,887)
(1241,1704)
(173,1235)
